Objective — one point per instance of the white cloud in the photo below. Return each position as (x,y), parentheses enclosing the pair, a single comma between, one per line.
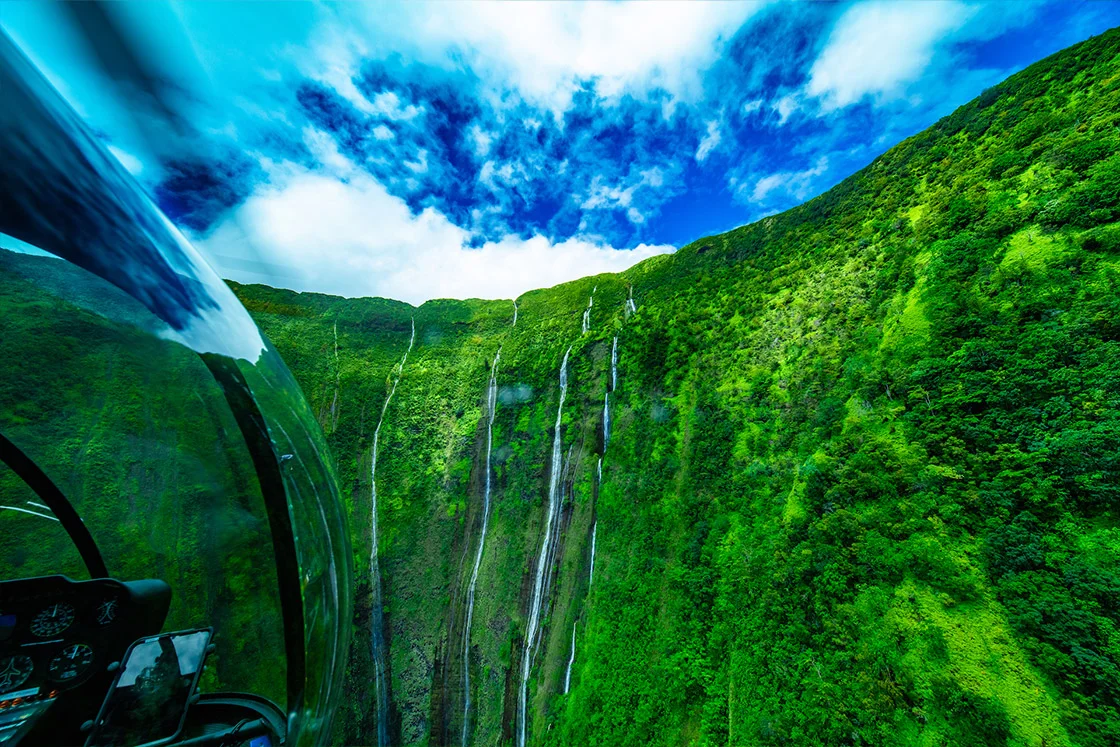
(786,106)
(510,174)
(795,183)
(876,49)
(334,66)
(544,50)
(605,196)
(653,177)
(344,233)
(752,106)
(482,141)
(388,104)
(602,196)
(381,132)
(709,142)
(325,149)
(335,62)
(420,165)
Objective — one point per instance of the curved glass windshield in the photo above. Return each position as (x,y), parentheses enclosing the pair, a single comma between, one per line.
(31,536)
(137,435)
(136,382)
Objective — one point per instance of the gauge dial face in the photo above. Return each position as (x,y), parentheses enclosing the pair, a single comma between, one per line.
(52,620)
(14,671)
(106,612)
(71,662)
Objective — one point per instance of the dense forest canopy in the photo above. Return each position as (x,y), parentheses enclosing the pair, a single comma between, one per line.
(860,483)
(864,470)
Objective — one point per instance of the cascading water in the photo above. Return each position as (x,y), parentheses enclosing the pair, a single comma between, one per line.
(532,628)
(614,364)
(337,381)
(607,400)
(591,574)
(571,659)
(492,405)
(631,308)
(587,312)
(377,619)
(515,313)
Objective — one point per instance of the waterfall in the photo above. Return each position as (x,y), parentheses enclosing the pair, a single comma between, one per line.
(571,658)
(614,364)
(492,405)
(591,575)
(630,307)
(532,628)
(515,313)
(587,311)
(590,578)
(337,380)
(377,620)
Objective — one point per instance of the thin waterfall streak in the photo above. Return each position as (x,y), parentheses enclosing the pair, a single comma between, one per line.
(554,551)
(591,574)
(614,364)
(571,658)
(586,327)
(631,308)
(491,404)
(549,577)
(337,380)
(538,581)
(515,313)
(377,621)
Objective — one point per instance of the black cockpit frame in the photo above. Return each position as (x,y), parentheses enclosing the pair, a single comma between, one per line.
(56,501)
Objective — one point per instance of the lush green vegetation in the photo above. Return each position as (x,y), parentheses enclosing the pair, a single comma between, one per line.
(864,477)
(863,484)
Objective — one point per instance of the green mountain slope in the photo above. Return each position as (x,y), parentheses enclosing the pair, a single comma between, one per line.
(861,485)
(863,480)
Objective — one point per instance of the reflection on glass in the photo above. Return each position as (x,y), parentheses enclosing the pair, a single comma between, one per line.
(114,328)
(32,541)
(150,698)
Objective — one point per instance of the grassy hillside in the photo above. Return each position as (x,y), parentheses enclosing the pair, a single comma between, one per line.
(863,485)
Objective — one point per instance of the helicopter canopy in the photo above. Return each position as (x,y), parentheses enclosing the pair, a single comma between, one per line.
(147,428)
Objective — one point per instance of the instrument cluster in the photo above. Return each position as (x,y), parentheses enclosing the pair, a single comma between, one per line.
(55,633)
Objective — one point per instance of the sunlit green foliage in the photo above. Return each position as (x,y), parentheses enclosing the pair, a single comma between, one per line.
(863,480)
(864,476)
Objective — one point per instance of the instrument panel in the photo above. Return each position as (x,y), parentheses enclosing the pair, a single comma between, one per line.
(56,633)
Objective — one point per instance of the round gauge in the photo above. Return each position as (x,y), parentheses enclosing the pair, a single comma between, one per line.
(71,662)
(14,671)
(52,620)
(106,612)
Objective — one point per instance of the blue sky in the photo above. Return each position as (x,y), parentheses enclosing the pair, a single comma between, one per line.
(458,149)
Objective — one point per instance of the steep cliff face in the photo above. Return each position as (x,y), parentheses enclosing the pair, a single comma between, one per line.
(862,480)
